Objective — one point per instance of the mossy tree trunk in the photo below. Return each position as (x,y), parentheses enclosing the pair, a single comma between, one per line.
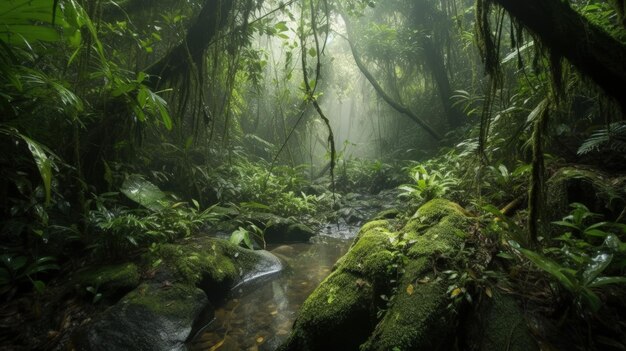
(212,18)
(567,34)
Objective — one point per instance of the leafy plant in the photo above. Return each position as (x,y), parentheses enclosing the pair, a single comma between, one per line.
(578,282)
(579,265)
(17,269)
(249,236)
(428,185)
(612,138)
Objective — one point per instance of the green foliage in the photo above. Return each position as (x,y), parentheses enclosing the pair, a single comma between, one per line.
(117,228)
(428,184)
(611,138)
(248,236)
(367,175)
(281,189)
(590,257)
(17,269)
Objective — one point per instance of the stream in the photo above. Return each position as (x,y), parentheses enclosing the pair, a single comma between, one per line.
(259,316)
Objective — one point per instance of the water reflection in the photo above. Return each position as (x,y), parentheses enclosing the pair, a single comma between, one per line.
(259,317)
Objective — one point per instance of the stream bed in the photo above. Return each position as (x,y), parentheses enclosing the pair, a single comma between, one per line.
(260,315)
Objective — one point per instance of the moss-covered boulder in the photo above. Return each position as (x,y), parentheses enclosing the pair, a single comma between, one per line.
(593,188)
(342,314)
(152,317)
(161,313)
(112,281)
(418,317)
(213,265)
(386,293)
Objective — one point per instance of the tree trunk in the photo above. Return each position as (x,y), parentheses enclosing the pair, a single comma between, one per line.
(435,62)
(568,34)
(212,17)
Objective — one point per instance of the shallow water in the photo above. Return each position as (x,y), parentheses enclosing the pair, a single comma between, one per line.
(260,316)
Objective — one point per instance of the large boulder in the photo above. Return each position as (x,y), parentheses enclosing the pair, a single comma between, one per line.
(162,313)
(386,293)
(152,317)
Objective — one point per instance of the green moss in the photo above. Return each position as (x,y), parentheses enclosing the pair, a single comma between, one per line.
(441,238)
(110,278)
(418,318)
(387,214)
(345,305)
(374,224)
(371,254)
(338,315)
(173,301)
(191,260)
(434,210)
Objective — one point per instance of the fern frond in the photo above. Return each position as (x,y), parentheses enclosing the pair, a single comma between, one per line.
(612,138)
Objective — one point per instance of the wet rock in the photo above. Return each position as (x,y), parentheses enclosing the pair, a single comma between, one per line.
(214,265)
(149,318)
(164,312)
(283,230)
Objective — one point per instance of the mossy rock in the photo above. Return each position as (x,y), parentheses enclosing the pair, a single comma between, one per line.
(214,265)
(287,231)
(152,317)
(338,315)
(341,314)
(590,187)
(419,317)
(498,324)
(387,214)
(111,281)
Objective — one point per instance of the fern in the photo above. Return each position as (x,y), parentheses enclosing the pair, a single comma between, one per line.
(612,138)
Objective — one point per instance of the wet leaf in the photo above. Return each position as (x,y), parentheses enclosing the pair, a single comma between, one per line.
(143,192)
(489,292)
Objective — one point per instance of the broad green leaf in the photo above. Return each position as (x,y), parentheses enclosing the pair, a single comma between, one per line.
(144,193)
(597,265)
(43,162)
(547,265)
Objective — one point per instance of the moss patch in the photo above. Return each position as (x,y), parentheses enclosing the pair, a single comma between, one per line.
(170,302)
(110,279)
(214,265)
(337,316)
(418,318)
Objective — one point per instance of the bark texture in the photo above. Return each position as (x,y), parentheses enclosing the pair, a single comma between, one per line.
(590,49)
